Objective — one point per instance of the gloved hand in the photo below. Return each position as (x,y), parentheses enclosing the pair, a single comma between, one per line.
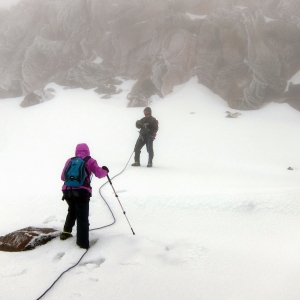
(105,168)
(139,124)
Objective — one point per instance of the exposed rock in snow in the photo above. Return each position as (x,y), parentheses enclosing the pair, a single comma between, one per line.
(37,97)
(27,239)
(232,115)
(244,50)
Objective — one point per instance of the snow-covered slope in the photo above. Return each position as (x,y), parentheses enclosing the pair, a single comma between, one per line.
(217,217)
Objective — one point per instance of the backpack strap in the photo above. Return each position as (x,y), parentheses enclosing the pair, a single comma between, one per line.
(87,181)
(68,187)
(86,158)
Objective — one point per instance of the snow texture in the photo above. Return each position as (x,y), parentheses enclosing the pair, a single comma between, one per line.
(217,217)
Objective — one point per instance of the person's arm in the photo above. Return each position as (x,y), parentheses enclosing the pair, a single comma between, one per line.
(98,171)
(139,124)
(154,127)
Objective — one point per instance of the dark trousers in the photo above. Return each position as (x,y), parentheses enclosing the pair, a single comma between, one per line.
(140,143)
(78,202)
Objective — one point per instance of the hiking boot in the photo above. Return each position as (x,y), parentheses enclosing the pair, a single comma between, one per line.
(136,164)
(149,165)
(65,235)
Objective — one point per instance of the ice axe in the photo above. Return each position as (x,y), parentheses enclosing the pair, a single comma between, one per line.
(120,203)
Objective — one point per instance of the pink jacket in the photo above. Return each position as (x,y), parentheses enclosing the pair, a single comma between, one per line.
(82,150)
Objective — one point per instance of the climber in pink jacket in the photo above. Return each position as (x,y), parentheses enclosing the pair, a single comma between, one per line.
(78,197)
(82,151)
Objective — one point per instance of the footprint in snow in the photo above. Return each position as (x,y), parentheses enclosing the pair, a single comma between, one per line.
(58,256)
(15,274)
(184,253)
(50,219)
(76,295)
(92,264)
(93,242)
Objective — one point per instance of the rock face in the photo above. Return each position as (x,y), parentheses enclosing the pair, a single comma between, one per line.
(243,50)
(37,96)
(27,239)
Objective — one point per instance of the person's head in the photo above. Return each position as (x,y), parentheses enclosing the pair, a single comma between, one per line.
(82,150)
(147,112)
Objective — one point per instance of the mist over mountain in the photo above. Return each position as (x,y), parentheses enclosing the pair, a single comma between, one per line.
(246,51)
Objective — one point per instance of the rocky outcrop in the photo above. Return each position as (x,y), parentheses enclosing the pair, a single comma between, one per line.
(245,51)
(27,239)
(37,97)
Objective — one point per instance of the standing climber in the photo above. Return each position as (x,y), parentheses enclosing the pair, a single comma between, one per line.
(148,128)
(77,191)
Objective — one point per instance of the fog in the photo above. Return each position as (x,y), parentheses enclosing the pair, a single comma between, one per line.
(8,3)
(244,51)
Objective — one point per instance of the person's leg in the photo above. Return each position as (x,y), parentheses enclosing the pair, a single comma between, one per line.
(140,143)
(71,216)
(149,145)
(82,209)
(70,221)
(82,213)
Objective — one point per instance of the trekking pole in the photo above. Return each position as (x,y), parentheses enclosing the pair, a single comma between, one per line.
(120,204)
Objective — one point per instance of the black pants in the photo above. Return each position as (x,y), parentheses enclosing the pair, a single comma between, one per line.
(78,202)
(140,143)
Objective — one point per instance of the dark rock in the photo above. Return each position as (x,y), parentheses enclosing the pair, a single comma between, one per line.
(294,102)
(37,97)
(232,115)
(291,96)
(115,81)
(107,96)
(293,90)
(107,88)
(142,91)
(27,239)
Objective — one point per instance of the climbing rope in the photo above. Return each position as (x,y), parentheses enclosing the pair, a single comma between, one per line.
(114,220)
